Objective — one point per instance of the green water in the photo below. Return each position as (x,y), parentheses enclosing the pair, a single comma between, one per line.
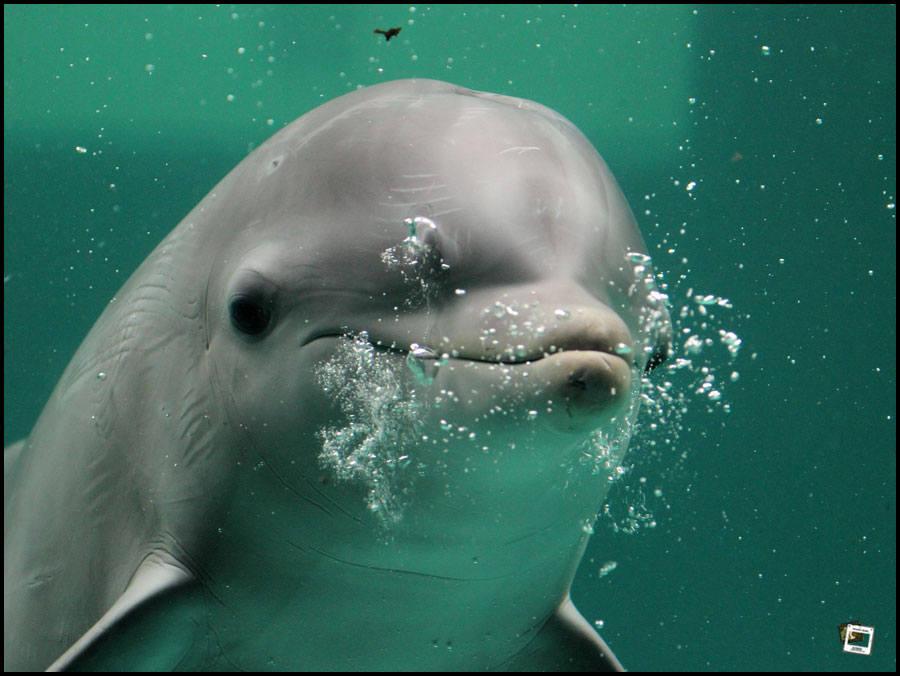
(757,147)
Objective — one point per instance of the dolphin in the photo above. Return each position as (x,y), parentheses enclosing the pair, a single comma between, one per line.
(357,411)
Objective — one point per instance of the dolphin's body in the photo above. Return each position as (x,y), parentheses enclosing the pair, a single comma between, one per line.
(357,411)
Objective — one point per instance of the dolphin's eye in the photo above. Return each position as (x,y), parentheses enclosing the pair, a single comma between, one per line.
(249,315)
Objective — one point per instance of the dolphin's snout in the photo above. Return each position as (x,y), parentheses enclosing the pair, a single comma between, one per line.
(591,329)
(586,383)
(563,357)
(526,327)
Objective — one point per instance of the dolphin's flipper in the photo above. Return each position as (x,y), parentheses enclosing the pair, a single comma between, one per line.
(158,609)
(10,455)
(566,642)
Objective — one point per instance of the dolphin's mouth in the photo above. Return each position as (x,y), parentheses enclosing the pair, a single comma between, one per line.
(585,382)
(510,356)
(502,329)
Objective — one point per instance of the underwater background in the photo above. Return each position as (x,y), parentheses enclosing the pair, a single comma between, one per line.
(757,148)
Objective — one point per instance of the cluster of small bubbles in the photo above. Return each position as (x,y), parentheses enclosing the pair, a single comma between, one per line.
(600,453)
(536,331)
(604,449)
(693,345)
(689,379)
(710,300)
(500,309)
(418,260)
(731,341)
(488,340)
(383,421)
(700,331)
(637,515)
(652,302)
(607,568)
(707,385)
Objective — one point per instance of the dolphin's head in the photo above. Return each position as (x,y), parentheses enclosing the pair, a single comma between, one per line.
(432,304)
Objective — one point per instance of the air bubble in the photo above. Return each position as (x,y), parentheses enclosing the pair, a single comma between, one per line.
(424,363)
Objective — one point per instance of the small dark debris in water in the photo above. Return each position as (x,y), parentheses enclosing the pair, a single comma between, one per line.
(388,34)
(737,157)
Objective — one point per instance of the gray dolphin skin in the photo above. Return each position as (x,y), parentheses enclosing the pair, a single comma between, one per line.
(358,411)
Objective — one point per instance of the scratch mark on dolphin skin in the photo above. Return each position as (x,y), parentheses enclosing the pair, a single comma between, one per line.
(399,571)
(519,150)
(430,186)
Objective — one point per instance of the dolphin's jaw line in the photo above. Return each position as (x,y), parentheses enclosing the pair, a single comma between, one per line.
(500,359)
(581,388)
